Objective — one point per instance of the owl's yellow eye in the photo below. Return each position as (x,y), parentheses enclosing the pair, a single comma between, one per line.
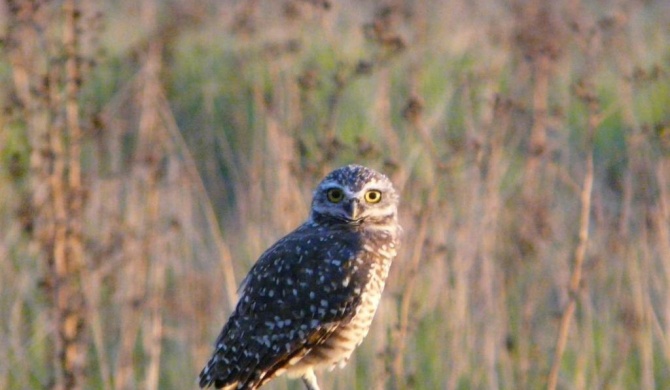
(335,195)
(373,196)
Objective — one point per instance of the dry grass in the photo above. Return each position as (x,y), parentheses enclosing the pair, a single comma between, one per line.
(530,142)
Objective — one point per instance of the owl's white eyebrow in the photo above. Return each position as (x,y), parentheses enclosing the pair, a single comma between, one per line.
(373,185)
(335,184)
(330,183)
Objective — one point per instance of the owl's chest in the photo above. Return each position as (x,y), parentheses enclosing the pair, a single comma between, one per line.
(370,295)
(375,260)
(376,271)
(366,273)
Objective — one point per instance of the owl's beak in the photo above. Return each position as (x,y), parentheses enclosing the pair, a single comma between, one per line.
(353,209)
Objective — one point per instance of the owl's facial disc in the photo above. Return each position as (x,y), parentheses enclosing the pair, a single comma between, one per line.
(350,206)
(354,195)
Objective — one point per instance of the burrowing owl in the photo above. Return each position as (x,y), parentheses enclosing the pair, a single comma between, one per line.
(309,299)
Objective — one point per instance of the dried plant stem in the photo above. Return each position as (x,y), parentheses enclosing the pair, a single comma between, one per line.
(663,225)
(405,311)
(223,250)
(491,289)
(538,132)
(133,287)
(537,34)
(66,186)
(92,286)
(576,277)
(406,302)
(142,219)
(589,40)
(383,111)
(149,126)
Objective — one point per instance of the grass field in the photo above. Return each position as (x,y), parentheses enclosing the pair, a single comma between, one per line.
(150,151)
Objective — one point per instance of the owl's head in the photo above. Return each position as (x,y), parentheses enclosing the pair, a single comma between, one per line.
(355,194)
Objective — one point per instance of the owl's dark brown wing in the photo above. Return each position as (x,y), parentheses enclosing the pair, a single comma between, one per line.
(301,290)
(316,337)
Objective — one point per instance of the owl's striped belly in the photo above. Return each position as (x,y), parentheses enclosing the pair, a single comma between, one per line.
(336,350)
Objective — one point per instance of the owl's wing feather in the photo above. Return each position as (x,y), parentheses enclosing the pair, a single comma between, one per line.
(297,294)
(277,362)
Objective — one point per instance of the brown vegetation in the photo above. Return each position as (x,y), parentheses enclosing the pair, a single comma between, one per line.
(150,151)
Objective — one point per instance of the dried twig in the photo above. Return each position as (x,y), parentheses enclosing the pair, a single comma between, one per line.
(586,92)
(405,316)
(576,277)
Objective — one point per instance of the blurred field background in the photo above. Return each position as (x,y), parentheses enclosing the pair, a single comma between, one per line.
(150,151)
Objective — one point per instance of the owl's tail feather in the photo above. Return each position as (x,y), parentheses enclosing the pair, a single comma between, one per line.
(211,375)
